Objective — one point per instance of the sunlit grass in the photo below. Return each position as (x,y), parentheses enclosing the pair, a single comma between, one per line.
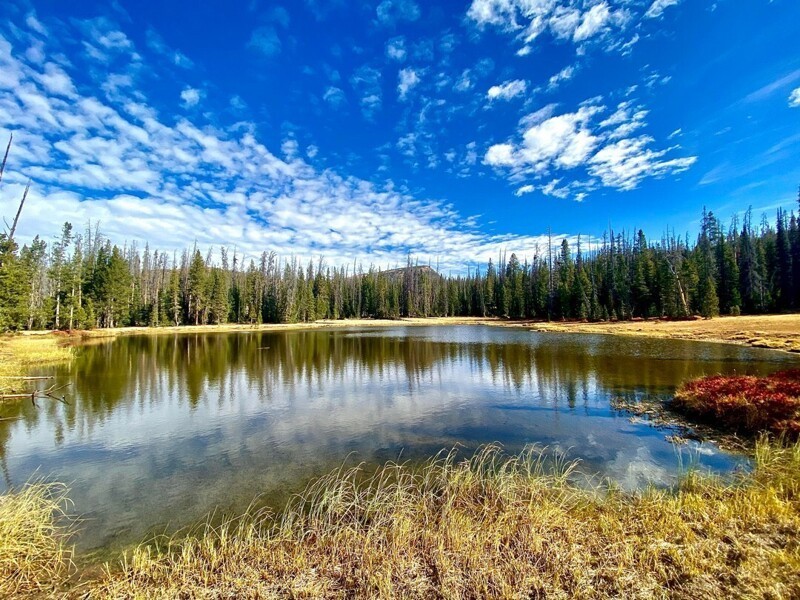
(20,353)
(35,558)
(493,527)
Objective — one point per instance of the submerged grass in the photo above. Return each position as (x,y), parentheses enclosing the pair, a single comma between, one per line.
(35,557)
(492,527)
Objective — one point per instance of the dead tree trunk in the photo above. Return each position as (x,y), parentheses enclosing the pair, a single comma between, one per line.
(5,157)
(19,211)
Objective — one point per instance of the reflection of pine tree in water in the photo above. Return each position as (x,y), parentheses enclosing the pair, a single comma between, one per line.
(553,370)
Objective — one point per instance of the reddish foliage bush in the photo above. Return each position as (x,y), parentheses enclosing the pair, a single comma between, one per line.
(744,403)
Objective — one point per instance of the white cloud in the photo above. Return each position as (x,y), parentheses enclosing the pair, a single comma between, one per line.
(237,103)
(525,189)
(366,82)
(334,96)
(464,83)
(36,25)
(593,21)
(563,22)
(507,90)
(625,120)
(562,76)
(407,80)
(625,163)
(396,49)
(102,41)
(564,141)
(191,97)
(658,7)
(505,13)
(113,159)
(794,98)
(56,81)
(500,155)
(592,149)
(566,20)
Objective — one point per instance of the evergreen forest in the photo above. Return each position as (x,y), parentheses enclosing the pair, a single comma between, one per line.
(84,281)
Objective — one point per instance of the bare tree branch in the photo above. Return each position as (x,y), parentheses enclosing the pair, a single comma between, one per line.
(19,211)
(5,157)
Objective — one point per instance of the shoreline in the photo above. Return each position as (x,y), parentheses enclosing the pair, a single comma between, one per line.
(773,332)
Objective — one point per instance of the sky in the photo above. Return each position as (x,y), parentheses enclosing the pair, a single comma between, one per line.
(368,131)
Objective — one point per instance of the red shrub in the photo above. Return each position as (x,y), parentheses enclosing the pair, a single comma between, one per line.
(744,403)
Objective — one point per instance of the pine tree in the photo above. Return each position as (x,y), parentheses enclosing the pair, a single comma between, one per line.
(794,237)
(196,289)
(783,264)
(489,284)
(14,286)
(112,281)
(728,280)
(748,271)
(514,290)
(707,299)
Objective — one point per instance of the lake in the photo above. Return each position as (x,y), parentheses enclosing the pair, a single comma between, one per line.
(162,430)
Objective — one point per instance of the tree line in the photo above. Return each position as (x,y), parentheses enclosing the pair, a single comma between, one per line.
(84,281)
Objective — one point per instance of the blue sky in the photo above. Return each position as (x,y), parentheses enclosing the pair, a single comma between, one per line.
(451,130)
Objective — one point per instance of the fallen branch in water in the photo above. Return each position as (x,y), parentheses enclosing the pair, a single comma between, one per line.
(41,394)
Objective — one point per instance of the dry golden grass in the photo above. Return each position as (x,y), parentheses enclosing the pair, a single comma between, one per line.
(779,332)
(492,527)
(19,353)
(35,558)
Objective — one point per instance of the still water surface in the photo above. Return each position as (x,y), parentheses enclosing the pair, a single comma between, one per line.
(162,430)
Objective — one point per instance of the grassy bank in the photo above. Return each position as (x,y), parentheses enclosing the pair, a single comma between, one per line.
(20,353)
(778,332)
(35,557)
(491,527)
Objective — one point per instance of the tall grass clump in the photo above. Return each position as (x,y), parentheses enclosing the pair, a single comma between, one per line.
(20,353)
(494,526)
(35,557)
(745,404)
